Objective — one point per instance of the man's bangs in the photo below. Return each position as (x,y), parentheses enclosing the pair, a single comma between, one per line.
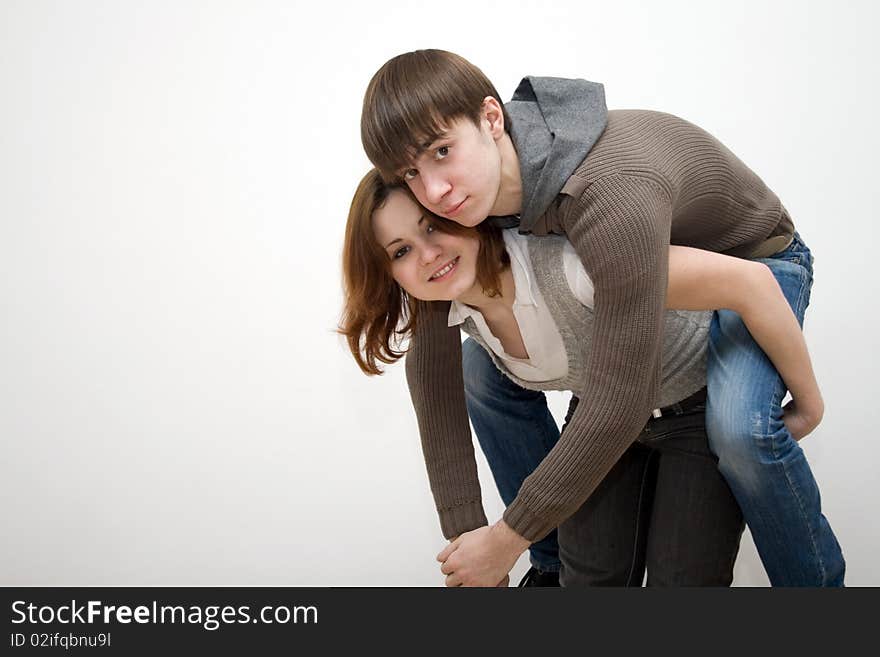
(399,139)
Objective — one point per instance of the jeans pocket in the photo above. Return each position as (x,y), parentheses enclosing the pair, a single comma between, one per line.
(801,258)
(796,252)
(668,430)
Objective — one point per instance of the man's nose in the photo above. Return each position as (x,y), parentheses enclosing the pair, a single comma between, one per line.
(436,187)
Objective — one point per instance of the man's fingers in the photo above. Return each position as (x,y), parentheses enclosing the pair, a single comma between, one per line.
(449,549)
(446,568)
(453,580)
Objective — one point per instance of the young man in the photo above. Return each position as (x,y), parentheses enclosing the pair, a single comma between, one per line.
(622,186)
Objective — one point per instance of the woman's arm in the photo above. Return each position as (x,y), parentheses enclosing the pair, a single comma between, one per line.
(703,280)
(434,375)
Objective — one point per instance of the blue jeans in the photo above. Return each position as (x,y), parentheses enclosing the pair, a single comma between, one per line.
(763,465)
(515,430)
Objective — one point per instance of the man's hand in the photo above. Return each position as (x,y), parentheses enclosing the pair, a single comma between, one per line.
(482,557)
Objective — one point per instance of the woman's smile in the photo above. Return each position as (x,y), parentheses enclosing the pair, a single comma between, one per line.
(445,271)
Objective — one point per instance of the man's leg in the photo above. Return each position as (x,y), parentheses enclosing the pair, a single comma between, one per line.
(765,467)
(515,430)
(696,524)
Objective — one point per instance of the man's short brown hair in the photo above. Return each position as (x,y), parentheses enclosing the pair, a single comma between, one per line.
(410,102)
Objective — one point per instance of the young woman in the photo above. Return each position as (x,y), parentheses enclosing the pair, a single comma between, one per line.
(527,304)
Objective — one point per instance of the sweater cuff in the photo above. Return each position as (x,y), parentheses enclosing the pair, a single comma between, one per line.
(461,518)
(526,523)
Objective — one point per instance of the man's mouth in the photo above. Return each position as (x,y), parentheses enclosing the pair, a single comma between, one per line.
(454,210)
(445,270)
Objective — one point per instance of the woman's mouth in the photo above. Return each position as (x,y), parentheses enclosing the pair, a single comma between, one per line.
(445,270)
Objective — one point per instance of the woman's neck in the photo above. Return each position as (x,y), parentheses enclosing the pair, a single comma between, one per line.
(502,302)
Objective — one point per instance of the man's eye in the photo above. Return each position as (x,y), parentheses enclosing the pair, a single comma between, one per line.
(409,174)
(441,152)
(402,251)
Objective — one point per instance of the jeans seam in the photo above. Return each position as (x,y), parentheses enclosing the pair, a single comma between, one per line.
(799,310)
(635,552)
(804,516)
(804,295)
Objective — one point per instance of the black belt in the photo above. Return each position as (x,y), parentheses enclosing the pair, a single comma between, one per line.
(684,406)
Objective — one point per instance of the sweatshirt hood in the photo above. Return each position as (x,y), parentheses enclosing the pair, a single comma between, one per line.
(554,124)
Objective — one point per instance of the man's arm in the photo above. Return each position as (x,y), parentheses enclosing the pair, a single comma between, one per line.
(619,227)
(433,372)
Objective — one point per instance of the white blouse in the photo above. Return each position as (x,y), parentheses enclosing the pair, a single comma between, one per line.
(547,358)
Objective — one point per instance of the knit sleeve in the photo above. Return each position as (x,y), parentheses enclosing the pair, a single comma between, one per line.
(433,372)
(620,228)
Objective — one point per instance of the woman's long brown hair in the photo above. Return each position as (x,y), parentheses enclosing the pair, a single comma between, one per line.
(377,314)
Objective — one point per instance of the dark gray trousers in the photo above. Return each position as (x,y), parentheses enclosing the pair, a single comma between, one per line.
(664,508)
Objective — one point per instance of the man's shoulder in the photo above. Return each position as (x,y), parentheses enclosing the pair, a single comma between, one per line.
(636,142)
(620,120)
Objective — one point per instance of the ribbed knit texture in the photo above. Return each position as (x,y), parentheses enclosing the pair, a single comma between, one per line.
(446,435)
(650,180)
(685,333)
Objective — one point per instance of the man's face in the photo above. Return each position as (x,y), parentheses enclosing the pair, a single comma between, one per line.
(429,264)
(458,175)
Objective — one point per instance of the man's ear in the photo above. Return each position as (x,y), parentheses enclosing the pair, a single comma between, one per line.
(492,113)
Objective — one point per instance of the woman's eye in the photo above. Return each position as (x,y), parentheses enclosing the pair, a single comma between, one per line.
(441,152)
(409,174)
(402,251)
(430,228)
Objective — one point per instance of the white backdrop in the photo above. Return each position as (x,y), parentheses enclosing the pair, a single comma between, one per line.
(174,179)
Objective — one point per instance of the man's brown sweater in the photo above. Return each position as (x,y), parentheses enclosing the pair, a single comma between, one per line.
(650,180)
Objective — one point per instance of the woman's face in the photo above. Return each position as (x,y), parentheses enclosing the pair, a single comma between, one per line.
(429,264)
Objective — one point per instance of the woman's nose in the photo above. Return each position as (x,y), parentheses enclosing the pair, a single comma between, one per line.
(430,252)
